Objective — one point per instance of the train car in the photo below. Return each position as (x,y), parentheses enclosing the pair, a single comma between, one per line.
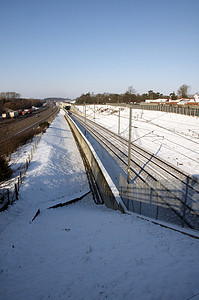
(67,107)
(13,114)
(5,115)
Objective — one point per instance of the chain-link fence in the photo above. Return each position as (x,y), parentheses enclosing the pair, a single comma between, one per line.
(176,109)
(179,206)
(183,110)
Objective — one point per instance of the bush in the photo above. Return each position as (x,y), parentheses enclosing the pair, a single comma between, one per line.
(5,170)
(12,144)
(43,126)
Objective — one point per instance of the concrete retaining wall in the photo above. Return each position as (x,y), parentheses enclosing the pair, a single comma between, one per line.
(107,188)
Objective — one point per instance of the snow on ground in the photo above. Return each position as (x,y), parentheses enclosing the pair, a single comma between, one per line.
(173,137)
(17,161)
(85,251)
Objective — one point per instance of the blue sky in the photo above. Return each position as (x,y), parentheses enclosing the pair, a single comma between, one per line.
(65,48)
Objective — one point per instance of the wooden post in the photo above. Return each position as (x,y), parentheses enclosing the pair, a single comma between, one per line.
(8,195)
(16,191)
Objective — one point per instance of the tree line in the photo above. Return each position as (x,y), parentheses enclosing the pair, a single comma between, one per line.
(12,100)
(130,96)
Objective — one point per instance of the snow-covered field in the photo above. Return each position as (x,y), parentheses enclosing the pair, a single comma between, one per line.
(171,136)
(85,251)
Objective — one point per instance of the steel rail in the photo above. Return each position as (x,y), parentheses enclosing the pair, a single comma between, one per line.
(136,174)
(32,125)
(177,173)
(141,168)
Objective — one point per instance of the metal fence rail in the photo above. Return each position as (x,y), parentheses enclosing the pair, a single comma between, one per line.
(176,109)
(183,110)
(157,203)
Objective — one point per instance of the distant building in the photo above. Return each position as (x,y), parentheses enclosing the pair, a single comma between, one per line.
(182,101)
(156,100)
(196,97)
(188,101)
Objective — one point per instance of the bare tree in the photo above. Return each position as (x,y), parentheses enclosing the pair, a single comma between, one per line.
(183,91)
(9,95)
(131,90)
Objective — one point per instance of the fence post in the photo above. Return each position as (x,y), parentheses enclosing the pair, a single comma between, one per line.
(128,195)
(16,191)
(119,122)
(8,195)
(129,146)
(185,200)
(151,195)
(157,206)
(141,194)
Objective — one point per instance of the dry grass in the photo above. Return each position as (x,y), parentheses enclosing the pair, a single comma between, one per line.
(12,145)
(15,142)
(5,170)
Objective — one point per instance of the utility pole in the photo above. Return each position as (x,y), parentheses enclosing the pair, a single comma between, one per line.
(119,122)
(85,117)
(129,148)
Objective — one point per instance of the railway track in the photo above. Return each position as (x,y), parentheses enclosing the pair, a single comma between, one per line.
(178,191)
(15,128)
(174,142)
(181,149)
(23,124)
